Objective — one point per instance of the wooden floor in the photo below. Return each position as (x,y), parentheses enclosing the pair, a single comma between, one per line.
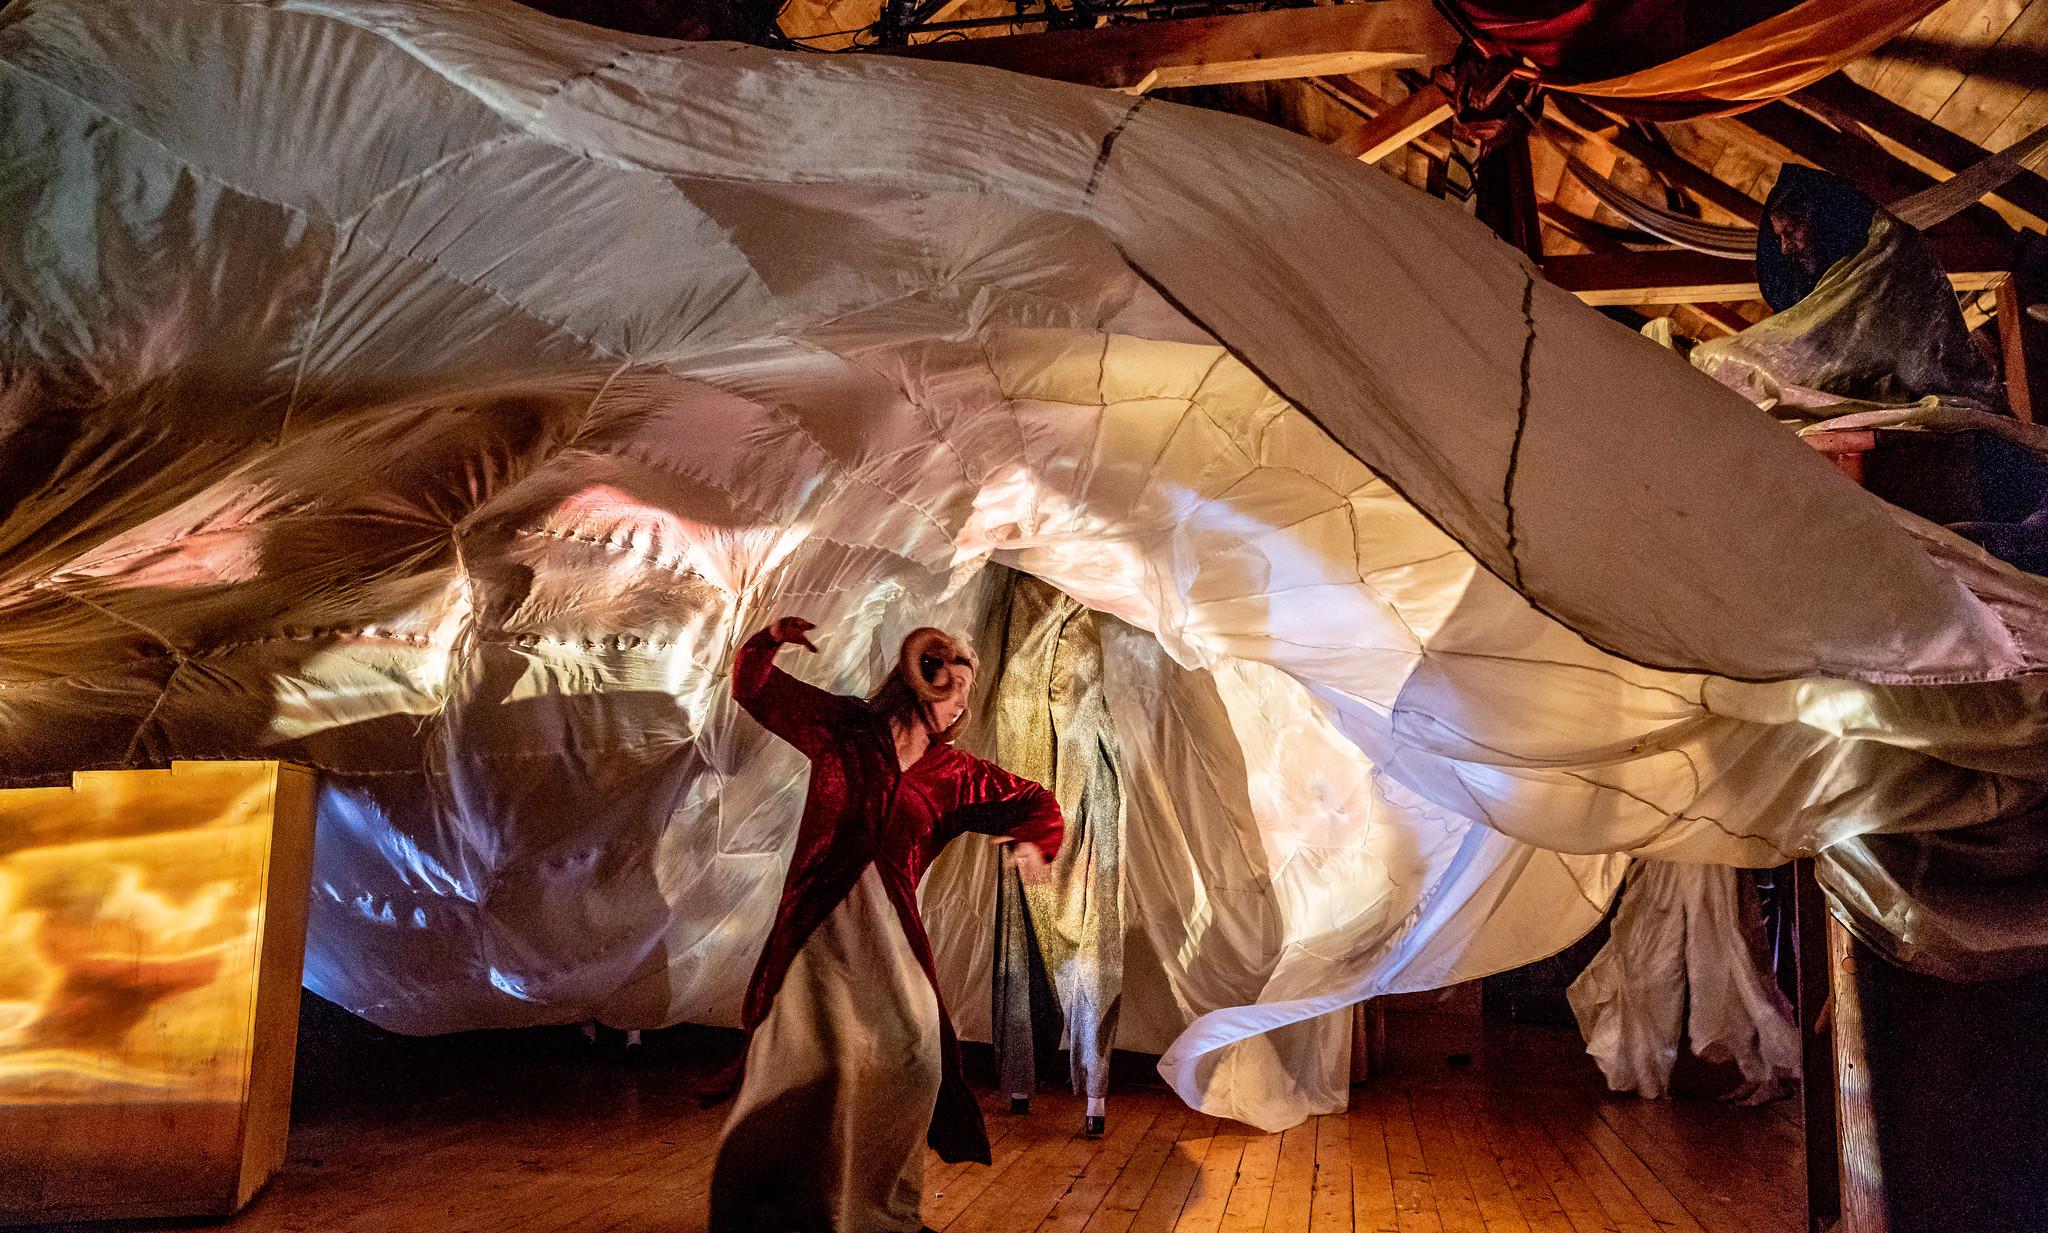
(486,1139)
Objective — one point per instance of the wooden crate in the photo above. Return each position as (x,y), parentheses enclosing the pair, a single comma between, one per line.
(152,932)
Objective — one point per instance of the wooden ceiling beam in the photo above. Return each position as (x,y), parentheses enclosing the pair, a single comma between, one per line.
(1367,105)
(1793,136)
(1721,318)
(1973,262)
(1397,126)
(1594,235)
(1566,115)
(1922,143)
(1319,41)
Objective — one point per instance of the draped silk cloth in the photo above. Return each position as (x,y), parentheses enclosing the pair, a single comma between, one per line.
(1680,962)
(438,395)
(1044,715)
(862,811)
(1784,52)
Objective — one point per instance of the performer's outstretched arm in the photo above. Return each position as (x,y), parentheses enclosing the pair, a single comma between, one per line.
(999,803)
(799,713)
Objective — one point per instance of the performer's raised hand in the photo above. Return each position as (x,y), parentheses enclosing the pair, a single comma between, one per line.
(793,630)
(1031,864)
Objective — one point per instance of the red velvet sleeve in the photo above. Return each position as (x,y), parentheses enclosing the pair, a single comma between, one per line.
(801,714)
(995,802)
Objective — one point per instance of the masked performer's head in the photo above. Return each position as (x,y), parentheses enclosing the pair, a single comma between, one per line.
(933,678)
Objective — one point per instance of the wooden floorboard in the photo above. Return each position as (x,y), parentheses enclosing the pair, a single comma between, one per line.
(1521,1138)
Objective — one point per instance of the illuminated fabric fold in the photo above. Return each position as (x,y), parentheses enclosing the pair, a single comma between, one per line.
(436,395)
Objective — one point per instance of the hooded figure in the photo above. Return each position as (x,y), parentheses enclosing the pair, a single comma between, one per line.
(851,1064)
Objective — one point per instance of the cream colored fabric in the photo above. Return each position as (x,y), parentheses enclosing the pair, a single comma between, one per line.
(1680,957)
(436,394)
(827,1134)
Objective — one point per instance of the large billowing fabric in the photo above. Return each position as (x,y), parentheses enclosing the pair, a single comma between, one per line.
(437,395)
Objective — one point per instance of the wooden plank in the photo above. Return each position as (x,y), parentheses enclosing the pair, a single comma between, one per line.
(1973,262)
(1025,1201)
(1982,102)
(1251,1194)
(1210,1197)
(1642,1181)
(1330,1205)
(1120,1206)
(1569,115)
(1865,1204)
(1491,1192)
(1168,1198)
(1522,1134)
(1294,1180)
(1957,35)
(1372,1181)
(1801,137)
(1539,1207)
(1926,145)
(1078,1206)
(1396,127)
(1457,1207)
(1565,1122)
(1367,104)
(1415,1198)
(976,1182)
(1716,1199)
(1319,41)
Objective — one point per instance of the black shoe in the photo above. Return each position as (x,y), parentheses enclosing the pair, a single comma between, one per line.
(1020,1105)
(1092,1126)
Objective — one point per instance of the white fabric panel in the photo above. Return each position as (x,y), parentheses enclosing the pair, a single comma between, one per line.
(437,394)
(1680,955)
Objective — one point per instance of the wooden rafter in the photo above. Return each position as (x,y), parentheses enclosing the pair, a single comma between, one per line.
(1569,116)
(1789,135)
(1720,318)
(1973,262)
(1398,125)
(1914,140)
(1367,105)
(1199,51)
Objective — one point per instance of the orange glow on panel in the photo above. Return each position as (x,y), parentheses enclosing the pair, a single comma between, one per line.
(132,922)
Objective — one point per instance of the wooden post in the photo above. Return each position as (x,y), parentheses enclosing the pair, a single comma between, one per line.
(1507,197)
(2012,325)
(1817,1089)
(1860,1172)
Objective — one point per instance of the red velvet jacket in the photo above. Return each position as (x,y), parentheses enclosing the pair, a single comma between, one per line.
(861,809)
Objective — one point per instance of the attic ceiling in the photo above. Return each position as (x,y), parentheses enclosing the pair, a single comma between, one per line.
(1969,78)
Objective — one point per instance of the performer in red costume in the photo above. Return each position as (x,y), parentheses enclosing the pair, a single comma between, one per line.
(851,1064)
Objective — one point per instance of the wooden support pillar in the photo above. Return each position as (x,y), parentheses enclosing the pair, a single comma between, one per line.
(2012,329)
(1859,1164)
(1368,1039)
(1817,1053)
(1507,197)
